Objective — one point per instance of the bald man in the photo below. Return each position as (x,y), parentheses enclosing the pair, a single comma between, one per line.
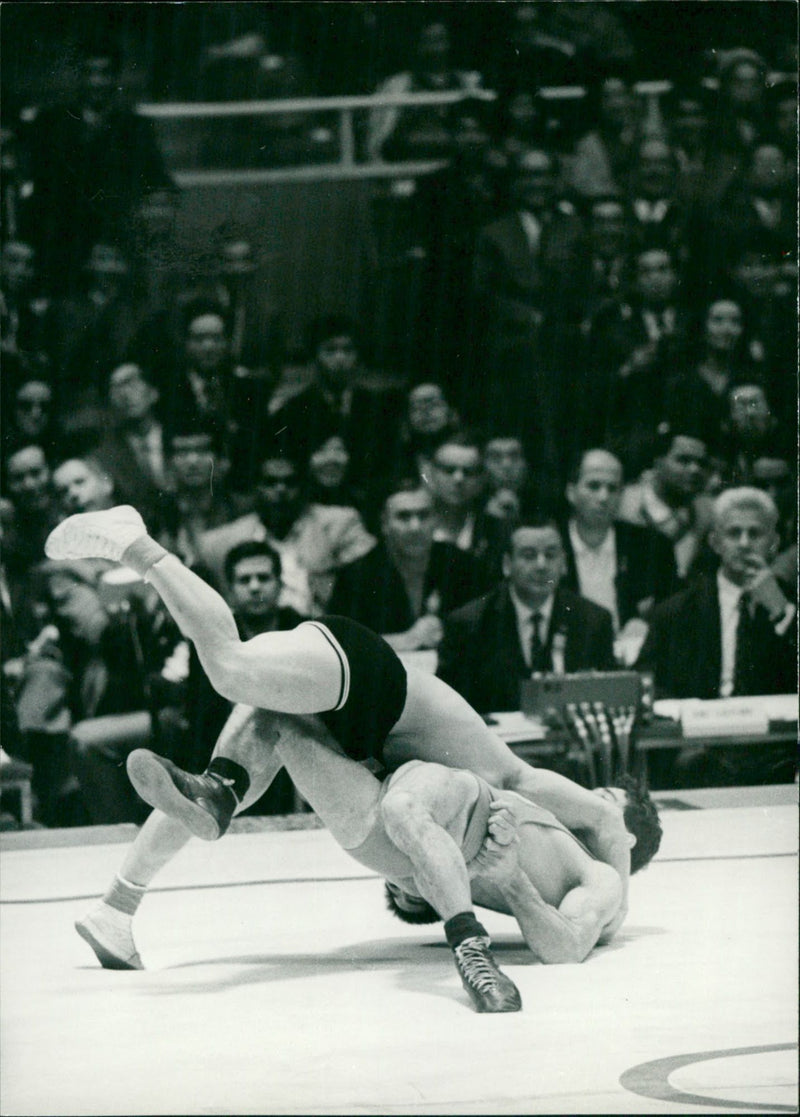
(623,567)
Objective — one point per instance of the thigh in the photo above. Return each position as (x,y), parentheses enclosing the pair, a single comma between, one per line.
(342,793)
(438,725)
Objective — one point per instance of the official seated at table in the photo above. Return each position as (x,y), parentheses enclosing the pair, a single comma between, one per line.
(625,568)
(528,623)
(730,634)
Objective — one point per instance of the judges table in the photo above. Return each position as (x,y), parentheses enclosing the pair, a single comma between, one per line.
(758,720)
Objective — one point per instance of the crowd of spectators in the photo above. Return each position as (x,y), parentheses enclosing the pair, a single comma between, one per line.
(596,351)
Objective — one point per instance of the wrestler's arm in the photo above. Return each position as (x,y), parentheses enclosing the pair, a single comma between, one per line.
(568,933)
(565,934)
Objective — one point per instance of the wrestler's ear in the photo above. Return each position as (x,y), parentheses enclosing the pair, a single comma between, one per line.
(631,839)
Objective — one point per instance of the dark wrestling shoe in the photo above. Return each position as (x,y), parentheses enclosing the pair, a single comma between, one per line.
(490,990)
(204,804)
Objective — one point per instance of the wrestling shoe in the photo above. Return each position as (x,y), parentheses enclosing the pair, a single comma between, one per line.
(108,932)
(490,990)
(204,804)
(105,535)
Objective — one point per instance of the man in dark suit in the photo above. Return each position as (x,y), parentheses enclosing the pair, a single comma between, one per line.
(733,634)
(403,586)
(526,624)
(622,567)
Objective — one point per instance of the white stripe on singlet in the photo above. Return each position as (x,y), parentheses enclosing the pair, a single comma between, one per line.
(344,690)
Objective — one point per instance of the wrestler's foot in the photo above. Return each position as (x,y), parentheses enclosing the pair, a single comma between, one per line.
(204,804)
(105,535)
(490,990)
(109,934)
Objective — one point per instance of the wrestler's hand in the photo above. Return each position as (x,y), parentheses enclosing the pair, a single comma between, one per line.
(497,859)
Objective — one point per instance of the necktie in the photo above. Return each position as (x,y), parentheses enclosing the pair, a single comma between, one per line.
(539,660)
(745,650)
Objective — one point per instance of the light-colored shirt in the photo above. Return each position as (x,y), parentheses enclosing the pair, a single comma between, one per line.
(729,596)
(685,526)
(597,570)
(524,614)
(463,540)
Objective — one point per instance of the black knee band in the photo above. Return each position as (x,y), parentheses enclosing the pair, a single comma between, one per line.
(463,926)
(230,770)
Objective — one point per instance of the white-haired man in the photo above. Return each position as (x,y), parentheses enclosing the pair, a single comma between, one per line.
(735,633)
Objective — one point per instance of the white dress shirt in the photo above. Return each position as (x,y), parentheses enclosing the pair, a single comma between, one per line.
(729,596)
(597,570)
(524,614)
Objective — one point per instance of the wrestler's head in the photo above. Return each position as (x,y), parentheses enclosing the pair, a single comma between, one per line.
(411,909)
(641,818)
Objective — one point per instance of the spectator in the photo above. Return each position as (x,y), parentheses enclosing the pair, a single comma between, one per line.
(766,285)
(739,118)
(25,314)
(622,567)
(132,450)
(428,418)
(660,217)
(211,390)
(82,485)
(454,475)
(83,700)
(313,540)
(733,634)
(609,237)
(398,134)
(686,112)
(28,484)
(33,418)
(406,583)
(511,489)
(92,161)
(451,205)
(329,476)
(631,346)
(669,497)
(526,624)
(603,157)
(724,357)
(526,281)
(96,327)
(198,499)
(751,433)
(340,397)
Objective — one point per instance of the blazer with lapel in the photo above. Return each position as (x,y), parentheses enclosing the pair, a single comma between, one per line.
(481,657)
(683,648)
(371,590)
(646,570)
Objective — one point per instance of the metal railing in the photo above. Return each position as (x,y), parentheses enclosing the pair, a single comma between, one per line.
(347,165)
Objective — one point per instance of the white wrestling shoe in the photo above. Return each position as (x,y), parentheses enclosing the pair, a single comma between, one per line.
(110,935)
(105,535)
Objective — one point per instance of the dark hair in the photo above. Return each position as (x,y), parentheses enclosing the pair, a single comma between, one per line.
(665,434)
(251,548)
(462,436)
(190,428)
(535,519)
(400,483)
(576,462)
(424,914)
(641,819)
(328,326)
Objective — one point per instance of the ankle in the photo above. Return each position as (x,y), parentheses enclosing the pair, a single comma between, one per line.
(231,775)
(143,554)
(463,926)
(123,896)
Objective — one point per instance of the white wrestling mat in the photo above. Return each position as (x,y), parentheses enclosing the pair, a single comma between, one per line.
(277,983)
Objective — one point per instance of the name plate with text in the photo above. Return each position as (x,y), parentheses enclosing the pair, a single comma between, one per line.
(724,717)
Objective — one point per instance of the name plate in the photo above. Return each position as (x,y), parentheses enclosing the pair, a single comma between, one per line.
(724,717)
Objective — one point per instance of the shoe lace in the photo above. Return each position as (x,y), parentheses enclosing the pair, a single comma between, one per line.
(476,963)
